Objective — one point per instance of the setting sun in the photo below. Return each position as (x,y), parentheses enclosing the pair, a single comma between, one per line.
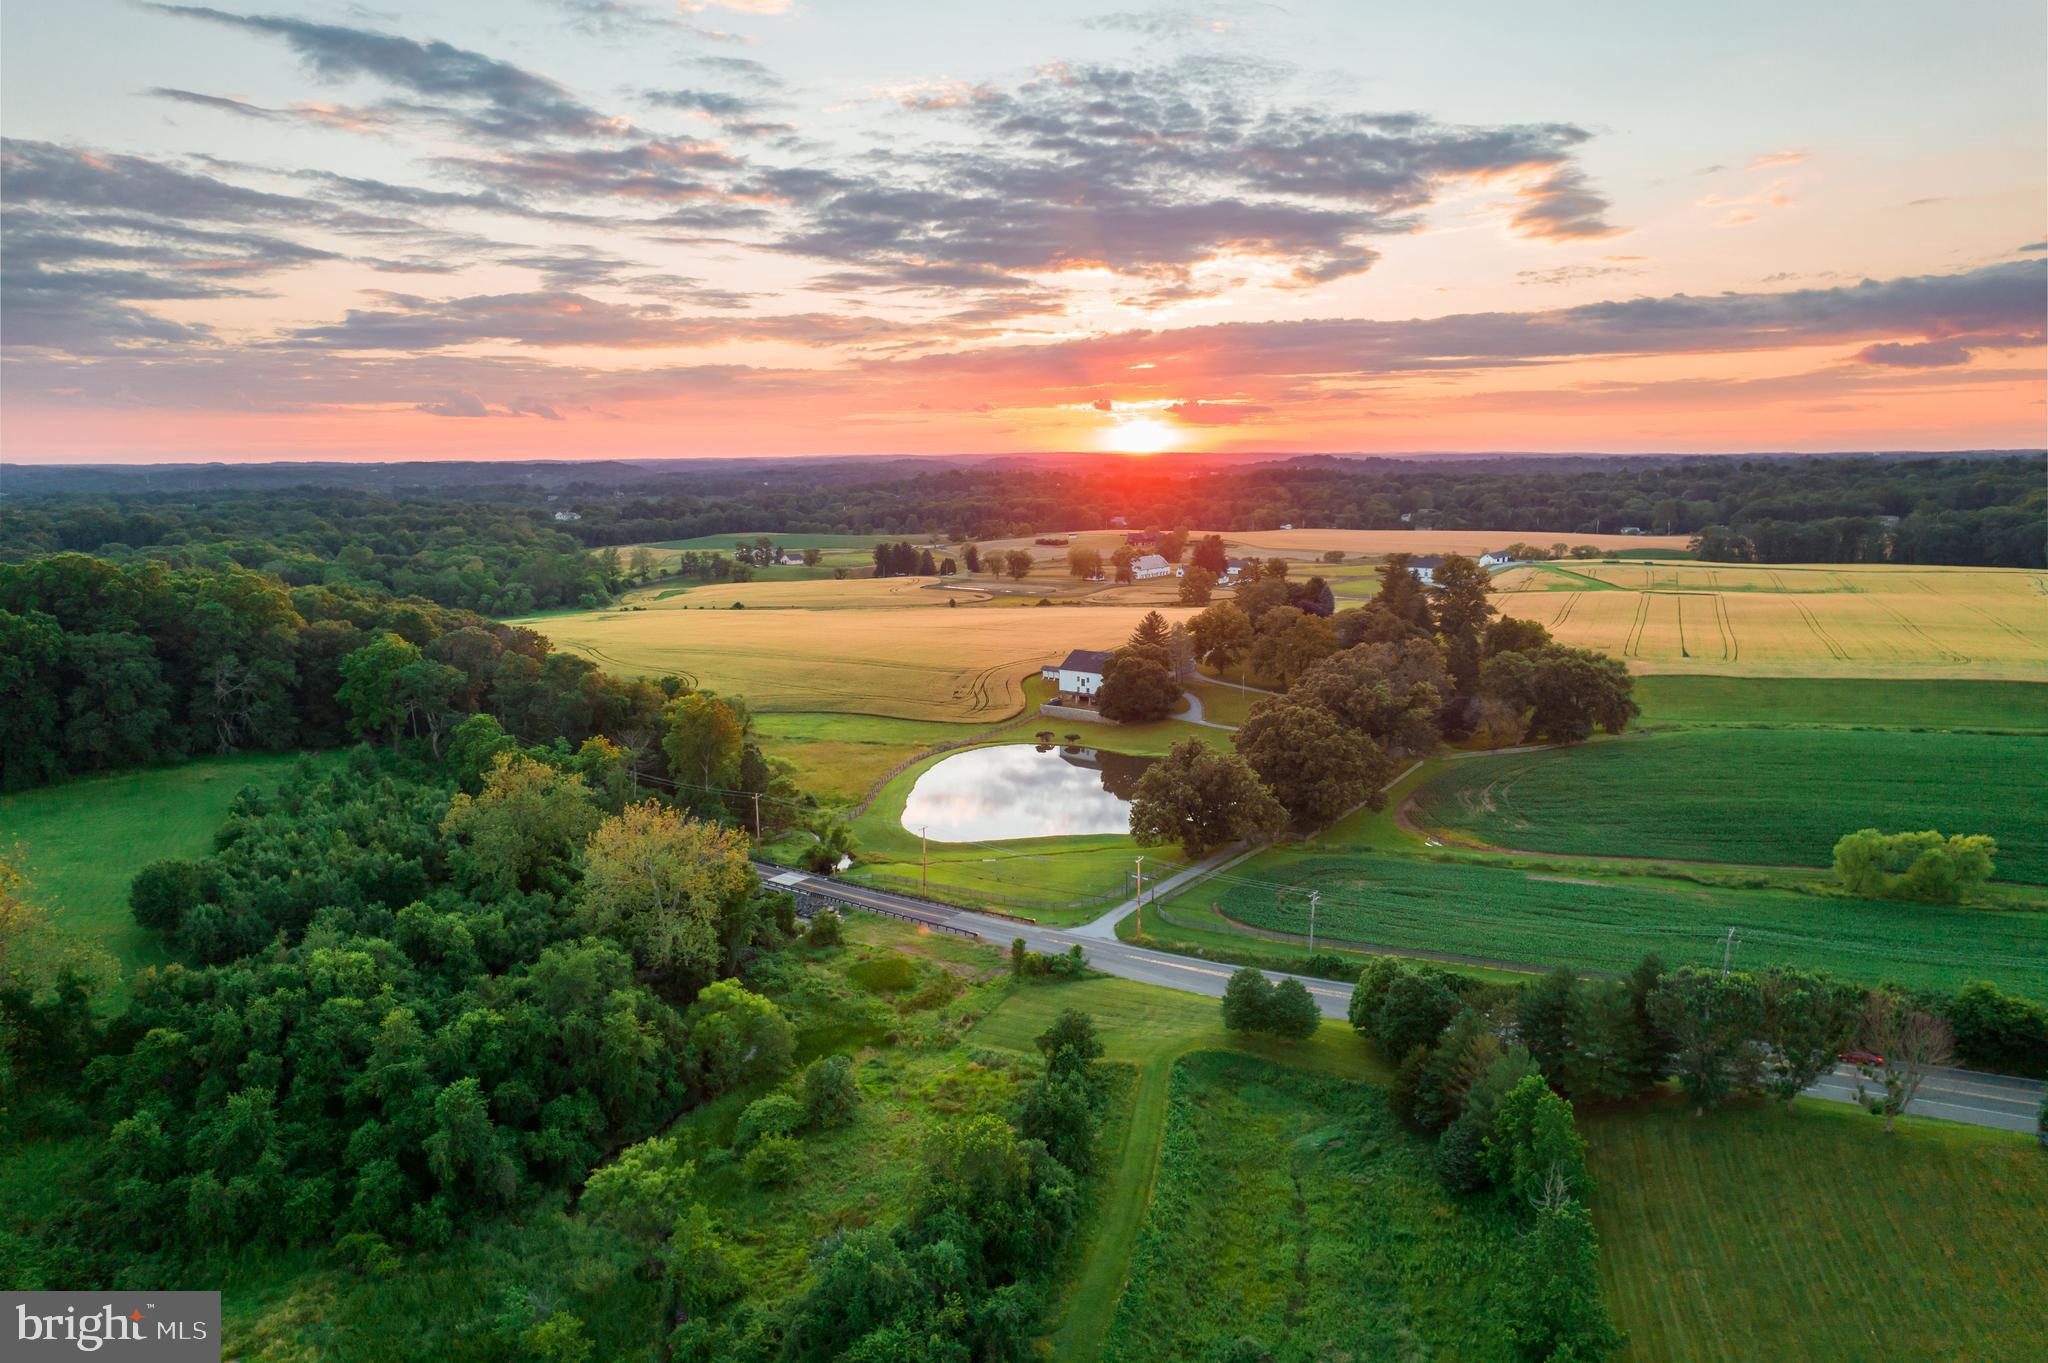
(1142,435)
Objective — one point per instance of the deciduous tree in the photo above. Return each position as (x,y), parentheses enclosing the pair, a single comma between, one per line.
(1202,799)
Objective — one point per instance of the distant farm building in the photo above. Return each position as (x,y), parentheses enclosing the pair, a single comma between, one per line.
(568,515)
(1495,560)
(1150,566)
(1426,566)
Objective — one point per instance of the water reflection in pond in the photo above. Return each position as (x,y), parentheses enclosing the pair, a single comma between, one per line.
(1021,791)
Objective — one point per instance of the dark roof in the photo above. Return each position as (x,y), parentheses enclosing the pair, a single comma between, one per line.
(1427,561)
(1085,660)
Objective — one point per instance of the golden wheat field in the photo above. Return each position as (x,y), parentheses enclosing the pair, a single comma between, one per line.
(1791,620)
(1472,542)
(867,646)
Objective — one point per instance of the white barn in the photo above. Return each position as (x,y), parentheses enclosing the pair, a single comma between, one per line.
(1148,566)
(1080,674)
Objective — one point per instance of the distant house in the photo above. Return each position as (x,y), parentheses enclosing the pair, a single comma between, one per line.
(1233,568)
(1287,525)
(1117,522)
(1141,537)
(1149,566)
(1425,567)
(568,515)
(1080,674)
(1631,530)
(1495,560)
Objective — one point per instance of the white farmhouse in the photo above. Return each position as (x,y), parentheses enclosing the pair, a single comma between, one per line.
(1080,675)
(1426,566)
(1495,560)
(1149,566)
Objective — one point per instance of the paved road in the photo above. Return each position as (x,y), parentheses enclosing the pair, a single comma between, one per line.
(1994,1100)
(1193,714)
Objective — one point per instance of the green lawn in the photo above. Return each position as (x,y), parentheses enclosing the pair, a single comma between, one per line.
(83,841)
(1754,1233)
(1768,797)
(1290,1209)
(1486,909)
(1774,702)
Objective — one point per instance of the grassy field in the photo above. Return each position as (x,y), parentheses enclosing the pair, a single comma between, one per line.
(1850,703)
(1766,797)
(871,646)
(1859,620)
(1146,1029)
(1490,910)
(1309,542)
(83,841)
(1754,1233)
(1290,1209)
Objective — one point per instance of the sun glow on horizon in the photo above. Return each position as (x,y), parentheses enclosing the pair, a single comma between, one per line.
(1142,435)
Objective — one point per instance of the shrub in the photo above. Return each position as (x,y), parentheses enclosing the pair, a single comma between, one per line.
(1415,1011)
(163,890)
(1996,1031)
(1291,1013)
(830,1094)
(827,929)
(774,1160)
(776,1115)
(1923,866)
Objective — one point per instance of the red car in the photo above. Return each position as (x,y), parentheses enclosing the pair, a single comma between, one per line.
(1863,1057)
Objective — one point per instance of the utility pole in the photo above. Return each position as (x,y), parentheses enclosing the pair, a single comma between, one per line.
(1313,896)
(923,863)
(757,816)
(1141,897)
(1727,950)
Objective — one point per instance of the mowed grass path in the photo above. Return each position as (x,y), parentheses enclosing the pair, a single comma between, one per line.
(1753,1233)
(1762,797)
(1793,620)
(83,841)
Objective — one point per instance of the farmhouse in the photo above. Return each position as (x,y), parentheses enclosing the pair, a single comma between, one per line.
(1080,675)
(1495,560)
(1233,568)
(1425,567)
(1149,566)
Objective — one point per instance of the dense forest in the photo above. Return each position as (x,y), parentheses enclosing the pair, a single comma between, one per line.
(499,547)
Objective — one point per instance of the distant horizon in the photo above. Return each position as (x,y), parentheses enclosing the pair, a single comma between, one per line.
(1162,462)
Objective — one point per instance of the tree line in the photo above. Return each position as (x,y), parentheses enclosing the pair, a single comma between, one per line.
(1948,509)
(109,665)
(499,554)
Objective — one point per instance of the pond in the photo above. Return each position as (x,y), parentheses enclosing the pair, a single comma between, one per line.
(1019,790)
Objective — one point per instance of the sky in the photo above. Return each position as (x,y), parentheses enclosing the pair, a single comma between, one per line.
(640,228)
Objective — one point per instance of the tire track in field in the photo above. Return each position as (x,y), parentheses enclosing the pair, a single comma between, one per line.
(1731,648)
(1835,650)
(1632,646)
(1942,652)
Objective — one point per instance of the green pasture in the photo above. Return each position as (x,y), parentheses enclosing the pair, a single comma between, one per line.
(1291,1209)
(1758,1233)
(1763,797)
(1561,915)
(1848,702)
(82,841)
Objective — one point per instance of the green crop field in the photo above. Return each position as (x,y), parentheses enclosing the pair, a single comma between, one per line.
(1843,702)
(1793,620)
(1754,1233)
(1491,911)
(1290,1209)
(1765,797)
(83,841)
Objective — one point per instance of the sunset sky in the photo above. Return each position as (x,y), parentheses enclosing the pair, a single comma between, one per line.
(627,228)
